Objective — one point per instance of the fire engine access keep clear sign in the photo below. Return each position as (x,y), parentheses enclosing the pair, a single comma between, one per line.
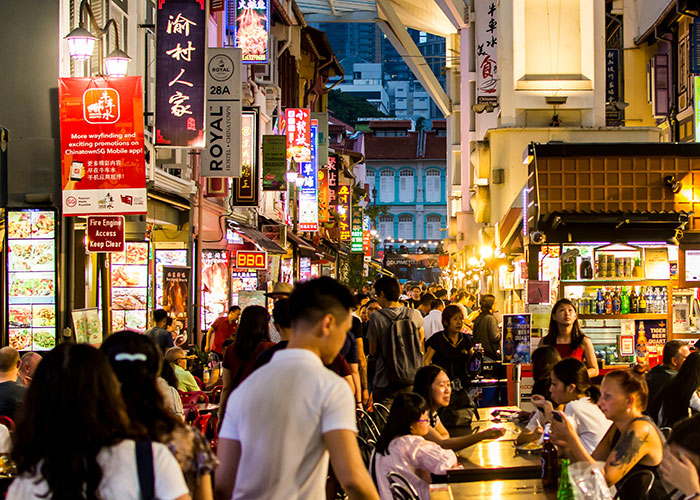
(222,155)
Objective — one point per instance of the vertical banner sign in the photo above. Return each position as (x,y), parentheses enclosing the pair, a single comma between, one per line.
(322,136)
(333,164)
(251,30)
(612,66)
(516,336)
(323,214)
(245,187)
(344,197)
(366,237)
(102,157)
(696,85)
(180,49)
(356,231)
(308,192)
(298,135)
(274,162)
(486,51)
(176,291)
(221,157)
(695,47)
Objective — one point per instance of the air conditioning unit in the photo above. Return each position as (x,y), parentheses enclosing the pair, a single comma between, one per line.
(268,76)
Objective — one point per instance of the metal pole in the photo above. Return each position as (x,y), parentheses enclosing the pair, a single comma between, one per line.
(106,293)
(197,261)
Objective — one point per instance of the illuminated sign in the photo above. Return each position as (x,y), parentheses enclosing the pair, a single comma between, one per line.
(696,81)
(245,187)
(344,197)
(366,237)
(251,260)
(180,49)
(333,164)
(298,135)
(308,192)
(356,236)
(323,205)
(251,30)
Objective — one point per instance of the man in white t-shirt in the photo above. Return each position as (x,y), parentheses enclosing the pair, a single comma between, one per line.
(432,323)
(283,422)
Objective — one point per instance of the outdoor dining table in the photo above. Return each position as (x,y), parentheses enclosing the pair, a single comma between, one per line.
(506,488)
(207,407)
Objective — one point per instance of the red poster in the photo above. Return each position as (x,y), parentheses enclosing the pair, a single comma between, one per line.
(102,155)
(344,212)
(299,135)
(323,214)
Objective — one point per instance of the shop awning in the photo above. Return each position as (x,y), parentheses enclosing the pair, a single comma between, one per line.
(613,226)
(377,266)
(299,242)
(334,247)
(259,240)
(510,226)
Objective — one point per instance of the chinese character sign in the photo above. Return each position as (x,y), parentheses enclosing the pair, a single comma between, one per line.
(344,197)
(298,135)
(366,237)
(176,292)
(486,51)
(102,155)
(333,164)
(251,30)
(323,212)
(245,187)
(180,58)
(356,236)
(308,194)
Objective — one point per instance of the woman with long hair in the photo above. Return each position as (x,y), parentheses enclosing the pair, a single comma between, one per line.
(679,398)
(433,384)
(137,362)
(74,439)
(252,338)
(632,443)
(566,336)
(571,390)
(681,465)
(401,448)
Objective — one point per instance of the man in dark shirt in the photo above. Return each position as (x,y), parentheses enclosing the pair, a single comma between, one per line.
(158,333)
(675,352)
(11,393)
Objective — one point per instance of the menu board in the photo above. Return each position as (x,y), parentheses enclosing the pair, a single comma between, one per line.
(129,275)
(215,289)
(88,325)
(176,258)
(31,279)
(242,280)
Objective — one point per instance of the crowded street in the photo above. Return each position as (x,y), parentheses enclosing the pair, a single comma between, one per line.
(350,249)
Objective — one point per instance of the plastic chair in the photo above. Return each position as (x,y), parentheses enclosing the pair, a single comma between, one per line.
(400,488)
(193,397)
(199,382)
(636,486)
(7,422)
(191,413)
(215,394)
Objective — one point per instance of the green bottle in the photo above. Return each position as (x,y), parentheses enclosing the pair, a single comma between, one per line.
(624,302)
(565,491)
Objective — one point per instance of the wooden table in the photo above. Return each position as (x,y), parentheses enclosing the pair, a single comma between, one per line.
(528,488)
(207,407)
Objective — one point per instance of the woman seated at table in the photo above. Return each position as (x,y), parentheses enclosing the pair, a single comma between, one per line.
(433,384)
(402,448)
(632,443)
(571,389)
(679,397)
(681,465)
(543,360)
(566,336)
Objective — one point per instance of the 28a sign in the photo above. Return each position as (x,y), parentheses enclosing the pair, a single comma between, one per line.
(251,260)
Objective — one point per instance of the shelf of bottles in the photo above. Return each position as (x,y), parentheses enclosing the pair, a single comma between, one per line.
(644,301)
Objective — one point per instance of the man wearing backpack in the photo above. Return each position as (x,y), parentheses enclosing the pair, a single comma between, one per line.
(395,335)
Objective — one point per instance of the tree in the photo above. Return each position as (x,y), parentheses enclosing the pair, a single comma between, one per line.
(348,108)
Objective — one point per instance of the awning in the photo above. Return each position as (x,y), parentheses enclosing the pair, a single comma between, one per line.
(333,247)
(299,242)
(259,240)
(379,268)
(510,226)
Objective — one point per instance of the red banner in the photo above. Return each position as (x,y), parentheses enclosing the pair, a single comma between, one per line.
(298,135)
(102,155)
(323,209)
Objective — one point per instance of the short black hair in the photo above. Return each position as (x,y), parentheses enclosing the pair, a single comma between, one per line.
(159,315)
(436,304)
(281,314)
(441,294)
(359,297)
(427,299)
(487,301)
(671,350)
(234,309)
(389,286)
(312,300)
(407,408)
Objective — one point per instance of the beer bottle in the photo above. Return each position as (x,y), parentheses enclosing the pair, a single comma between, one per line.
(550,461)
(608,302)
(642,301)
(624,302)
(565,492)
(634,302)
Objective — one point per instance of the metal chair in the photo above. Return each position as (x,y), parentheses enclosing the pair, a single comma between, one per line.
(366,449)
(381,414)
(665,431)
(366,426)
(400,488)
(636,486)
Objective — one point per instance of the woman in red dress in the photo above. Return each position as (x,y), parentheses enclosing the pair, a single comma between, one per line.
(566,336)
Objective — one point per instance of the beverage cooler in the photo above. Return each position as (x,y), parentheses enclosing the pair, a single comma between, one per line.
(31,279)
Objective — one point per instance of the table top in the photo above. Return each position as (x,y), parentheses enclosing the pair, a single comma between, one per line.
(205,407)
(510,488)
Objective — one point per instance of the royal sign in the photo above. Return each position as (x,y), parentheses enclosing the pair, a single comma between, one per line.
(251,260)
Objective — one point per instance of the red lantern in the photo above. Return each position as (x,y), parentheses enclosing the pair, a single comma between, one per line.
(443,260)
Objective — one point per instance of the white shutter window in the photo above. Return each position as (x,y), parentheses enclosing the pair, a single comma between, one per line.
(432,227)
(386,186)
(406,186)
(385,227)
(432,186)
(405,227)
(370,181)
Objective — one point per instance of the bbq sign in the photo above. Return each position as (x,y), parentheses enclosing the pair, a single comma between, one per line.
(251,260)
(251,30)
(180,56)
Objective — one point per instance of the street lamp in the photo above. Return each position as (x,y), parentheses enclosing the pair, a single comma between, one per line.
(81,44)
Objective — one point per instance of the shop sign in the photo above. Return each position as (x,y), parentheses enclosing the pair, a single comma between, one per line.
(486,51)
(105,233)
(694,47)
(308,192)
(176,292)
(538,292)
(180,57)
(298,135)
(323,205)
(251,30)
(366,237)
(244,275)
(322,138)
(649,337)
(245,187)
(344,212)
(612,79)
(356,229)
(696,99)
(516,337)
(221,156)
(333,164)
(102,155)
(215,266)
(246,259)
(656,263)
(274,163)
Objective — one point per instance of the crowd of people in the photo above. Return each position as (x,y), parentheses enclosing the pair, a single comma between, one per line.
(293,383)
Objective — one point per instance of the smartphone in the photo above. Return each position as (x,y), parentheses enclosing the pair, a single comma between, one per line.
(557,416)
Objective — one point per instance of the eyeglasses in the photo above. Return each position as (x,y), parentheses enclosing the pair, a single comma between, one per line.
(423,420)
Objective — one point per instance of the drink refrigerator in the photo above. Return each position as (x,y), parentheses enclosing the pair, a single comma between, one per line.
(31,251)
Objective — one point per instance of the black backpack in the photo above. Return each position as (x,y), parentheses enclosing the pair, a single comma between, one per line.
(401,349)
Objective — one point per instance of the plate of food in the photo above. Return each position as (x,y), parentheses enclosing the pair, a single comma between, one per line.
(531,447)
(19,338)
(19,225)
(43,316)
(44,340)
(43,225)
(20,316)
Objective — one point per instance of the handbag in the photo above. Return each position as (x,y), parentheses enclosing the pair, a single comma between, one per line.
(460,411)
(144,466)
